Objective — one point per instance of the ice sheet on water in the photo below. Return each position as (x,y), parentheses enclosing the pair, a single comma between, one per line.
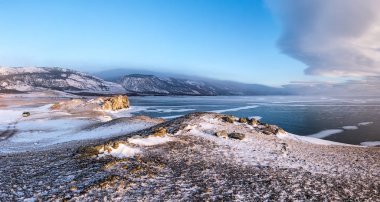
(371,143)
(350,127)
(326,133)
(170,110)
(234,109)
(365,123)
(171,117)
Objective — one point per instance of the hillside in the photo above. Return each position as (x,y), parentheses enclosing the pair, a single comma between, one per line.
(26,79)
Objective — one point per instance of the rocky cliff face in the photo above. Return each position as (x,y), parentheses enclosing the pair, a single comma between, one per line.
(39,78)
(114,103)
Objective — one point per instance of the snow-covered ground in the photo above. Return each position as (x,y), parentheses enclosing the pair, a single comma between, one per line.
(183,159)
(45,127)
(309,139)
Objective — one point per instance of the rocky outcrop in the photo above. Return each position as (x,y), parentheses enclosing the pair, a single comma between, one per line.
(228,119)
(243,120)
(264,128)
(114,103)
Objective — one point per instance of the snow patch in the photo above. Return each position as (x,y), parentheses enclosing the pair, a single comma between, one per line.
(150,141)
(35,134)
(255,117)
(309,139)
(104,118)
(122,151)
(9,116)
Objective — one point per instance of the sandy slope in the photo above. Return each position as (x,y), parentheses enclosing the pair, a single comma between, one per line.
(183,160)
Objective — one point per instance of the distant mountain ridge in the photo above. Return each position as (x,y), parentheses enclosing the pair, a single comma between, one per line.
(150,84)
(24,79)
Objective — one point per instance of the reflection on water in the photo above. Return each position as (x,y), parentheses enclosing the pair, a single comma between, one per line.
(356,119)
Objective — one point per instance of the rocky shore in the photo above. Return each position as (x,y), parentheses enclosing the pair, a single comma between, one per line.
(199,157)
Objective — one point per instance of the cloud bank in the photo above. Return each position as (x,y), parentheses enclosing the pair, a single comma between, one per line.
(363,87)
(332,37)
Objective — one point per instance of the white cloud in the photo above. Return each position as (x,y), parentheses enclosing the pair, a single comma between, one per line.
(332,37)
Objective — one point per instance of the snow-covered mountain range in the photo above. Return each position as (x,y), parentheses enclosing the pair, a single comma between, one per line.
(25,79)
(149,84)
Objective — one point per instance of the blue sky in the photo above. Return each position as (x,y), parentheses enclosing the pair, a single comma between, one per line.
(225,39)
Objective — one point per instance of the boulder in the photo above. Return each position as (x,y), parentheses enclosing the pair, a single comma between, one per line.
(243,120)
(267,132)
(26,114)
(280,131)
(222,134)
(272,130)
(228,119)
(238,136)
(253,122)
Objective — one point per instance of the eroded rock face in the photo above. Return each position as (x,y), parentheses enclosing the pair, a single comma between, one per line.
(114,103)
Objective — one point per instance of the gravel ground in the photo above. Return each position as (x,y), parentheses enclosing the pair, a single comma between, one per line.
(195,166)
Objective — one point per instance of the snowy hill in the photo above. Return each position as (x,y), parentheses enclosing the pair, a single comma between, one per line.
(38,78)
(26,79)
(149,84)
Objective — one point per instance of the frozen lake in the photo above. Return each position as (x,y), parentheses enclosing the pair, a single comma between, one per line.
(350,120)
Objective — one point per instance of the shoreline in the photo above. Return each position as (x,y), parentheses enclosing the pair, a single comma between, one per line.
(94,155)
(98,116)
